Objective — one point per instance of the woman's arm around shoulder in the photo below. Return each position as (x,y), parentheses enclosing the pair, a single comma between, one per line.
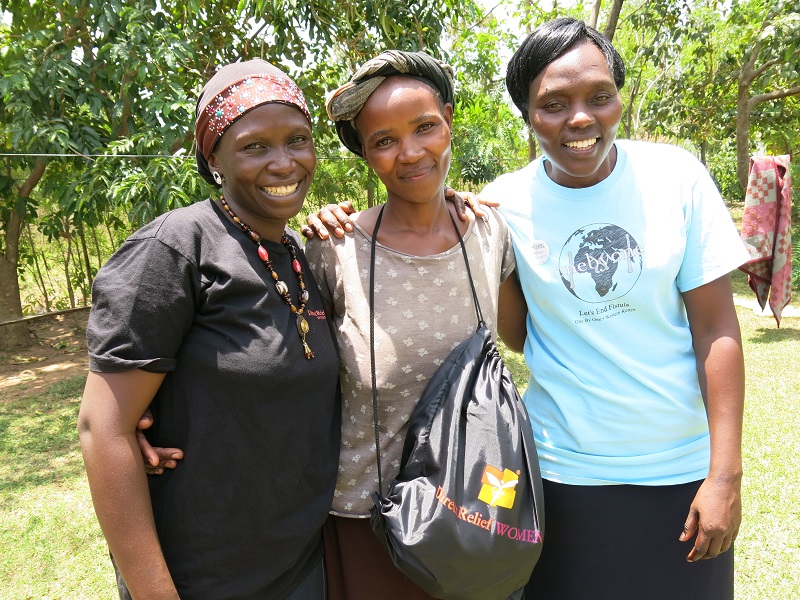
(111,406)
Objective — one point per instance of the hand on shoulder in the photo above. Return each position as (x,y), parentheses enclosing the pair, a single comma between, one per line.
(337,217)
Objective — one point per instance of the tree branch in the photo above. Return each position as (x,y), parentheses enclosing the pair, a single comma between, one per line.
(746,75)
(764,67)
(483,17)
(14,225)
(33,178)
(759,98)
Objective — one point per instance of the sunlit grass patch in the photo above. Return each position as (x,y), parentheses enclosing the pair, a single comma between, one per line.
(768,548)
(52,545)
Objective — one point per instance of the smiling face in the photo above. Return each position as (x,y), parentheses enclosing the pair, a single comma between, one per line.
(405,136)
(267,159)
(574,110)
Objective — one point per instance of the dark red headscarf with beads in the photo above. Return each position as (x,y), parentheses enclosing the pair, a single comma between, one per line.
(230,93)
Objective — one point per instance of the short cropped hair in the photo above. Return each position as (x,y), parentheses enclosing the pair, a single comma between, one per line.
(547,43)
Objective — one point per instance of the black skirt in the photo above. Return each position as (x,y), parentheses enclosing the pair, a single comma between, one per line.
(620,542)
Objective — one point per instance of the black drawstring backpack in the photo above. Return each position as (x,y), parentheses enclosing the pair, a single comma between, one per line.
(464,517)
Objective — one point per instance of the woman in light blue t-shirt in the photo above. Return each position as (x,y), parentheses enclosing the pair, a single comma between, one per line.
(624,251)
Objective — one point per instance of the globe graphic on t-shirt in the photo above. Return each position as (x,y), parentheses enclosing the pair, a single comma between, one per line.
(600,262)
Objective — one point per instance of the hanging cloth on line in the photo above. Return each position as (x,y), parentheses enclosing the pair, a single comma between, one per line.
(767,231)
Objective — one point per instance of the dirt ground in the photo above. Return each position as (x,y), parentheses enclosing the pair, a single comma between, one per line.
(58,352)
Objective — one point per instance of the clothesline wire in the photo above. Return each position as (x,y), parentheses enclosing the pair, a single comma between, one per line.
(57,155)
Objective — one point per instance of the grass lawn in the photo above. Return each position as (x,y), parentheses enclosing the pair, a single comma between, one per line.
(53,549)
(52,545)
(768,547)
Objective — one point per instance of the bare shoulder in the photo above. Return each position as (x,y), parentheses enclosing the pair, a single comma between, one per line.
(366,219)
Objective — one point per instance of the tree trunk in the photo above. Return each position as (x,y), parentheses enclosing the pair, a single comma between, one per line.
(10,303)
(743,109)
(613,17)
(87,265)
(39,277)
(114,243)
(49,272)
(14,336)
(97,248)
(17,335)
(67,274)
(595,16)
(629,115)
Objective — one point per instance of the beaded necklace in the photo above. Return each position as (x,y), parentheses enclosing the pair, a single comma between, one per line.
(280,286)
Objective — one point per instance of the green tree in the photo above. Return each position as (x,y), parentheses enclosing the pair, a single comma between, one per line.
(113,83)
(769,65)
(486,137)
(711,69)
(80,77)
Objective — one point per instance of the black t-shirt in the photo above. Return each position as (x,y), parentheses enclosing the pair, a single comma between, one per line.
(240,516)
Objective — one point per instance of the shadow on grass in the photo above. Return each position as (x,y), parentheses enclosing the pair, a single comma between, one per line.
(767,335)
(39,440)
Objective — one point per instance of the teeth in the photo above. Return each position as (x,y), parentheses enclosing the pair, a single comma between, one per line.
(281,190)
(582,144)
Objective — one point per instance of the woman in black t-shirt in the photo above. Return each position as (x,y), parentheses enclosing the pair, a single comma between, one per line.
(210,315)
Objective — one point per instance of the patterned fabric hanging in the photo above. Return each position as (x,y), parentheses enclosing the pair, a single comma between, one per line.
(767,231)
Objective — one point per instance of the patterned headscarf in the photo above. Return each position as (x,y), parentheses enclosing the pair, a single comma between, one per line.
(235,89)
(345,103)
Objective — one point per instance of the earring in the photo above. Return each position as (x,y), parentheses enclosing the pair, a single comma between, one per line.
(217,177)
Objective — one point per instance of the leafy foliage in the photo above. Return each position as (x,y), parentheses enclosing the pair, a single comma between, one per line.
(694,55)
(97,101)
(486,139)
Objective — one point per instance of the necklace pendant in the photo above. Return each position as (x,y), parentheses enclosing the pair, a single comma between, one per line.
(302,329)
(280,286)
(302,326)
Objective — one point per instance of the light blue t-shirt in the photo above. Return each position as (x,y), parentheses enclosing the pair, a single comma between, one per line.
(614,395)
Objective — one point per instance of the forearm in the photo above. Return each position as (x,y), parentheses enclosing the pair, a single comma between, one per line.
(716,511)
(122,503)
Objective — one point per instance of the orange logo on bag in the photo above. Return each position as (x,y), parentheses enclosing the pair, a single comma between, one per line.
(498,487)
